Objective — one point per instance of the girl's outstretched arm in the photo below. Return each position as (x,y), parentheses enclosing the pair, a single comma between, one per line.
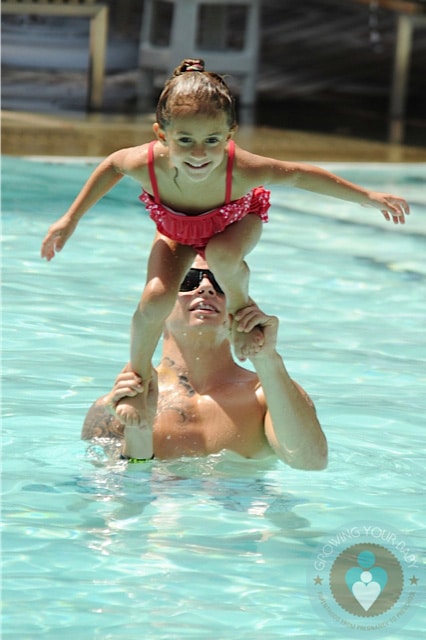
(104,177)
(321,181)
(256,169)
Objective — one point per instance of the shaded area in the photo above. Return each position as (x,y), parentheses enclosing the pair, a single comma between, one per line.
(329,63)
(325,66)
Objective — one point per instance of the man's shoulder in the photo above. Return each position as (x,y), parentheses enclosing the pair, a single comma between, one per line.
(248,377)
(100,422)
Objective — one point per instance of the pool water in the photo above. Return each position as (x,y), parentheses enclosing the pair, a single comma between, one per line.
(214,548)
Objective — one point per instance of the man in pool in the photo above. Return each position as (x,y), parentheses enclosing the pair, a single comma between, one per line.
(203,402)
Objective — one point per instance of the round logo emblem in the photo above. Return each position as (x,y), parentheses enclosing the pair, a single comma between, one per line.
(365,577)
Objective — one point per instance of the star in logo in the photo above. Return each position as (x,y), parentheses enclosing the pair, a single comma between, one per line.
(414,580)
(318,580)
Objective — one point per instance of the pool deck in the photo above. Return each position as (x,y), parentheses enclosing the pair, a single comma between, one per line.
(34,134)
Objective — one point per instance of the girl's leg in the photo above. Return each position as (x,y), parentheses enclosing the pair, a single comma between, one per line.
(225,255)
(167,266)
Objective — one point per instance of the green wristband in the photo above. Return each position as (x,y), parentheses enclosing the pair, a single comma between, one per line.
(138,460)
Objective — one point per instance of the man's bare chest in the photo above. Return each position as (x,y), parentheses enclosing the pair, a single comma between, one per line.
(204,424)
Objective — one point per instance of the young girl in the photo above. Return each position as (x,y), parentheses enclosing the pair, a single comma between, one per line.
(203,193)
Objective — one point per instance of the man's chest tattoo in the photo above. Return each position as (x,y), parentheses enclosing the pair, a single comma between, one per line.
(184,382)
(182,377)
(175,398)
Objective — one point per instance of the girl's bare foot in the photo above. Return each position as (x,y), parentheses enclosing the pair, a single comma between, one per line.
(134,411)
(246,343)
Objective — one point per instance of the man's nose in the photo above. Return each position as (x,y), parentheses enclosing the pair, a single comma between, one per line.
(205,286)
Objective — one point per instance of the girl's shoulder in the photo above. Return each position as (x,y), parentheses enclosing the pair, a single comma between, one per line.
(133,160)
(137,154)
(264,170)
(250,167)
(248,160)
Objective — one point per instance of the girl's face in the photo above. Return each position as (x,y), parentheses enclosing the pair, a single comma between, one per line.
(196,143)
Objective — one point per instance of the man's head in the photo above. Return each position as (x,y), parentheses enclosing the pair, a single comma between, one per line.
(200,303)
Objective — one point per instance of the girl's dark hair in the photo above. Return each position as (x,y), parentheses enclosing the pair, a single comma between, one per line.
(191,89)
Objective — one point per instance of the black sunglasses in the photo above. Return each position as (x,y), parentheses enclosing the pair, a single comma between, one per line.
(194,278)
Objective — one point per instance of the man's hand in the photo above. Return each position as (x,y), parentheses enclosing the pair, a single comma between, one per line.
(127,384)
(250,317)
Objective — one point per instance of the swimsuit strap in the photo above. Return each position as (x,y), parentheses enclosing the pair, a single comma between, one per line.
(229,166)
(151,170)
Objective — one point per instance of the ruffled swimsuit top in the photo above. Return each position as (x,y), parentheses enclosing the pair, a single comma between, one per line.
(196,230)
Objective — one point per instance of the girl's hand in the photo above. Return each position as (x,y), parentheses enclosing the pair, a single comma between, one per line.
(392,207)
(56,237)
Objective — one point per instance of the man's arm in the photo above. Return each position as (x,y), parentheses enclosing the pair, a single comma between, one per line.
(101,422)
(291,423)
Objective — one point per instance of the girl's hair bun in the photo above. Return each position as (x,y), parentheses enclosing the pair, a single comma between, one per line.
(189,65)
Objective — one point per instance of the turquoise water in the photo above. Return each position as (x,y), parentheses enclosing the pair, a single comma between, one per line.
(214,548)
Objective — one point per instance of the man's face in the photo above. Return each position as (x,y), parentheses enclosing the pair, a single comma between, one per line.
(201,302)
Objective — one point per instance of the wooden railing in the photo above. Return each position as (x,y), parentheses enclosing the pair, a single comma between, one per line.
(410,7)
(410,14)
(98,15)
